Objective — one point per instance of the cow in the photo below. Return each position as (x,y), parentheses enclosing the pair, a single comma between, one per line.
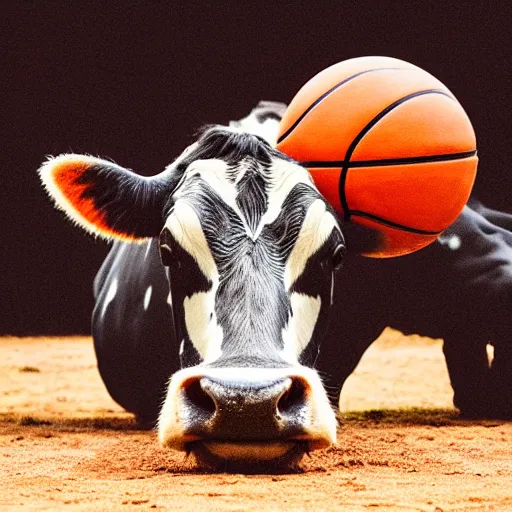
(234,304)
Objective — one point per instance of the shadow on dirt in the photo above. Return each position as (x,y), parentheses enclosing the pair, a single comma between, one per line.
(370,418)
(76,425)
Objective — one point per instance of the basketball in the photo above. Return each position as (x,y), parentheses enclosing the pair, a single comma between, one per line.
(388,145)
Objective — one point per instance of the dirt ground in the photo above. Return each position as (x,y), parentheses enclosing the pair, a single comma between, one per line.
(64,444)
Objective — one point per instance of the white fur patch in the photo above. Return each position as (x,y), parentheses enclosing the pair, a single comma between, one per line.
(186,229)
(200,319)
(454,242)
(268,129)
(147,297)
(201,323)
(315,230)
(301,324)
(111,293)
(214,172)
(148,248)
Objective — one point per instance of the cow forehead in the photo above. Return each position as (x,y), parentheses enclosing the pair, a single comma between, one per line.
(255,192)
(239,196)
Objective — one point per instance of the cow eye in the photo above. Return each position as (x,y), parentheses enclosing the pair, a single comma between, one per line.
(338,256)
(166,255)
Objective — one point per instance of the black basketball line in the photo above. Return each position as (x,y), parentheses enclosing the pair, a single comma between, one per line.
(320,98)
(366,215)
(391,161)
(365,130)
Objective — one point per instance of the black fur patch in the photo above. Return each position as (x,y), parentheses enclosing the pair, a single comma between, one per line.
(233,147)
(252,197)
(130,203)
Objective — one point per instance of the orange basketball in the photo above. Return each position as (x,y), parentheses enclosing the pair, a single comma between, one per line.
(388,145)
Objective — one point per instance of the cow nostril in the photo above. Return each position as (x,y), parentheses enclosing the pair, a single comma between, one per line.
(198,397)
(293,397)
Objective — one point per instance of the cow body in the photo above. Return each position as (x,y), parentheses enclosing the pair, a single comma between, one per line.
(458,289)
(233,301)
(132,327)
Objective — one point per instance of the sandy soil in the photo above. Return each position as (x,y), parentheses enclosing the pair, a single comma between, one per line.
(65,445)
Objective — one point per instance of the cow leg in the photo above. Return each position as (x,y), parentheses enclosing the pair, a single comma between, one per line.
(501,382)
(501,338)
(480,390)
(468,368)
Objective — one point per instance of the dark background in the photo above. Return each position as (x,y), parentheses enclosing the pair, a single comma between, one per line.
(134,82)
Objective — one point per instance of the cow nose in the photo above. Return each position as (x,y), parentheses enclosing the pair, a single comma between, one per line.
(245,410)
(241,414)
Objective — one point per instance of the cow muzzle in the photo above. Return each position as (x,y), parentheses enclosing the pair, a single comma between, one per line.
(246,414)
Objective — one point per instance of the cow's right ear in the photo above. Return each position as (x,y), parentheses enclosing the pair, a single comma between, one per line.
(106,199)
(361,240)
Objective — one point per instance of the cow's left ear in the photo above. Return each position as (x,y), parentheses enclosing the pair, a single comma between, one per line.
(106,199)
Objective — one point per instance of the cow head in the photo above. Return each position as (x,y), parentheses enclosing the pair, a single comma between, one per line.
(251,250)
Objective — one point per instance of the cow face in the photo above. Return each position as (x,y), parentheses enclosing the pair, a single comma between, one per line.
(251,250)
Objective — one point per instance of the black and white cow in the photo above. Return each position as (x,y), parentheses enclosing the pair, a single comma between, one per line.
(222,301)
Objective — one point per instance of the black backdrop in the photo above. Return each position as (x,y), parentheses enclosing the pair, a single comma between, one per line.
(133,83)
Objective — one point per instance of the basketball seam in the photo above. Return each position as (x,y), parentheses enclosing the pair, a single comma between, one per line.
(391,161)
(389,223)
(365,130)
(324,95)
